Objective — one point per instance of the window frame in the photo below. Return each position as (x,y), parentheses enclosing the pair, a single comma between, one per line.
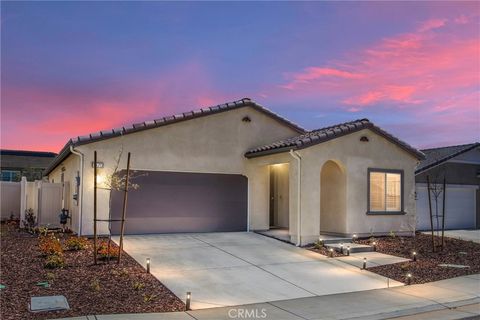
(402,183)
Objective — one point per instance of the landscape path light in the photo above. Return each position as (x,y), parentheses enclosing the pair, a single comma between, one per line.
(148,265)
(414,253)
(187,302)
(330,253)
(364,263)
(409,278)
(374,246)
(348,250)
(341,248)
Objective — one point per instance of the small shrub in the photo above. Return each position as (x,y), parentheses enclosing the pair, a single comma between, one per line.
(105,251)
(95,285)
(30,220)
(392,234)
(318,244)
(43,230)
(404,266)
(76,243)
(54,261)
(50,246)
(138,286)
(148,297)
(50,275)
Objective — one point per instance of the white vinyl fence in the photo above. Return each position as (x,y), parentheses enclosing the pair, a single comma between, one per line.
(10,199)
(44,198)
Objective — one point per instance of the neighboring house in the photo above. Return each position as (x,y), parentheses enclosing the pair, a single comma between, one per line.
(239,167)
(18,163)
(460,165)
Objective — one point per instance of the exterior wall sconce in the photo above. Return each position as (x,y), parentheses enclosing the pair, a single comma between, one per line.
(148,265)
(364,139)
(246,119)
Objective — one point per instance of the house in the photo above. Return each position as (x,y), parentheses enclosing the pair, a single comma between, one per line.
(21,163)
(460,166)
(240,167)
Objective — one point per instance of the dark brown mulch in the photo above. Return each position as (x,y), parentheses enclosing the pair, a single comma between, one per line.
(324,251)
(22,267)
(426,268)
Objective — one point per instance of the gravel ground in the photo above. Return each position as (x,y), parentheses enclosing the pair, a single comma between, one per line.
(89,289)
(426,268)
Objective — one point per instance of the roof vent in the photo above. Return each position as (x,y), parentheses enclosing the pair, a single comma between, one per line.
(246,119)
(364,139)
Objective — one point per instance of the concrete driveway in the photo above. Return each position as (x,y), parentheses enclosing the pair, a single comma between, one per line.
(226,269)
(467,235)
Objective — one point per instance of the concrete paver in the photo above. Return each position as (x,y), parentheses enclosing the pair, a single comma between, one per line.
(465,312)
(234,268)
(373,259)
(253,311)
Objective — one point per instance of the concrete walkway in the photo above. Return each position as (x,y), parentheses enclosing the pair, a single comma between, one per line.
(374,259)
(235,268)
(457,298)
(467,235)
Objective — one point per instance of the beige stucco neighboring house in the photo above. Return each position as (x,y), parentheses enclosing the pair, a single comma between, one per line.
(240,167)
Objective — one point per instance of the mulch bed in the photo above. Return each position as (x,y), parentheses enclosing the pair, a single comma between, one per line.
(89,289)
(324,251)
(426,268)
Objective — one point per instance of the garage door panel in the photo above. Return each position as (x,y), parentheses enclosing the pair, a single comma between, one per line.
(169,202)
(460,208)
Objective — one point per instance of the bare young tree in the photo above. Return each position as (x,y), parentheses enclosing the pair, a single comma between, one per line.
(116,180)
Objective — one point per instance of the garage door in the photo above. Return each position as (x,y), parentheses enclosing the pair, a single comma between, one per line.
(460,208)
(168,202)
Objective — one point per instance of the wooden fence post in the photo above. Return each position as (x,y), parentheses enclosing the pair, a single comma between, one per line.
(124,210)
(431,214)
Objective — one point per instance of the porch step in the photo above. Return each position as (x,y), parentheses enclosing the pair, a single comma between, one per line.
(354,247)
(326,239)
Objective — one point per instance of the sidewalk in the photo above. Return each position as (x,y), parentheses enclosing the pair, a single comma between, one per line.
(457,298)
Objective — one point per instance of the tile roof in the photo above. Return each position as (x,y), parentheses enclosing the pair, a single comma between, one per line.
(328,133)
(106,134)
(436,156)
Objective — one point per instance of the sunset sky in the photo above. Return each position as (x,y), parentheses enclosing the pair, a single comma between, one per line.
(71,68)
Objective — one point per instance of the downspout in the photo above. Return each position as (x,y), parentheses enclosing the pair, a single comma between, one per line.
(80,190)
(297,157)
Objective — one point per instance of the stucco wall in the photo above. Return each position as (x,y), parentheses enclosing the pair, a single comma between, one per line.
(72,166)
(356,157)
(210,144)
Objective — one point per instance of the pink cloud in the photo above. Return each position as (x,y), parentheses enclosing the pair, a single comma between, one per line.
(64,112)
(408,69)
(315,73)
(432,24)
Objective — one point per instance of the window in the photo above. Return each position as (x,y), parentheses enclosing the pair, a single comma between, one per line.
(385,191)
(10,175)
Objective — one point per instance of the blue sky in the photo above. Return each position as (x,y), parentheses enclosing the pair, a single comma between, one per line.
(69,68)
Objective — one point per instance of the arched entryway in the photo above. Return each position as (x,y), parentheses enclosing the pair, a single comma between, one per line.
(333,200)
